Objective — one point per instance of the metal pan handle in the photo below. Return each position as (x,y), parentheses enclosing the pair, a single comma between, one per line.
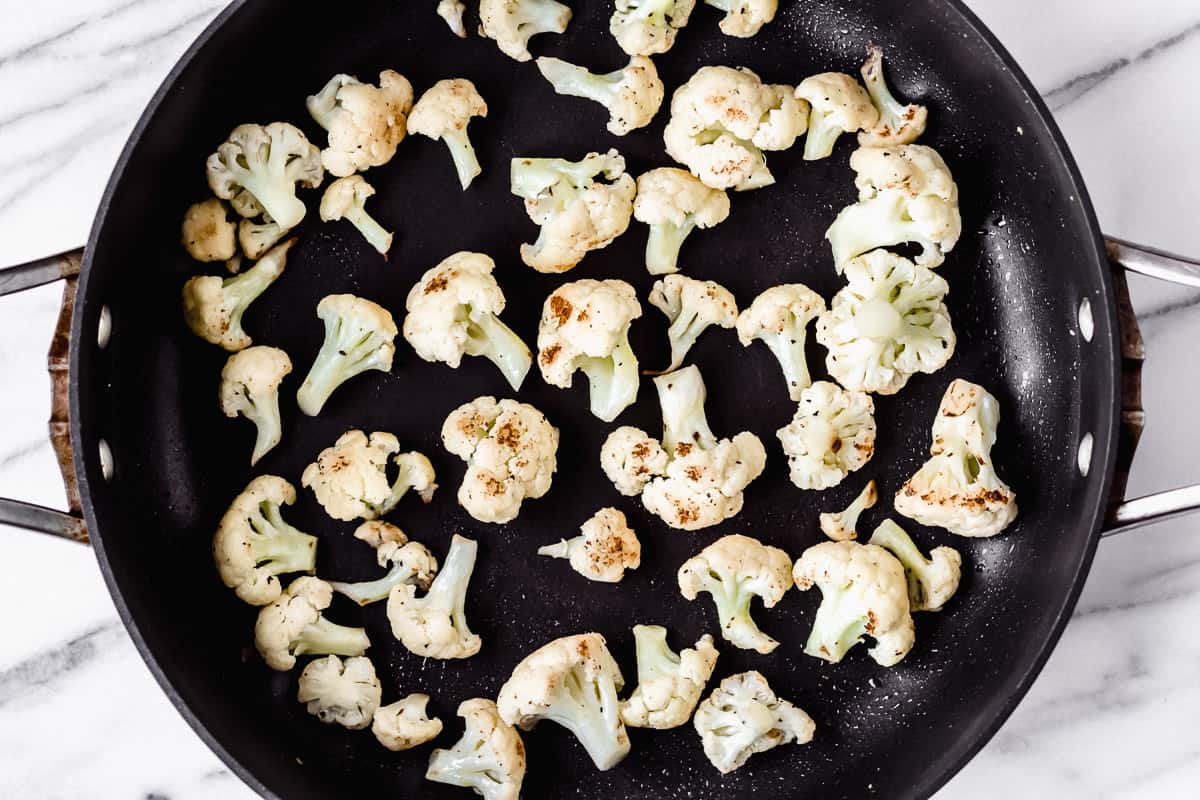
(68,525)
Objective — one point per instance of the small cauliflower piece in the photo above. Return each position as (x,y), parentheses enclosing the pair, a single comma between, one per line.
(207,234)
(605,548)
(732,570)
(842,526)
(257,238)
(435,625)
(673,202)
(839,104)
(779,318)
(585,326)
(359,336)
(294,626)
(863,592)
(365,123)
(744,18)
(898,124)
(404,724)
(510,449)
(250,386)
(931,581)
(630,459)
(408,562)
(647,27)
(723,119)
(905,194)
(576,212)
(573,681)
(632,94)
(512,23)
(346,199)
(341,693)
(691,306)
(669,685)
(489,758)
(831,435)
(452,12)
(958,488)
(453,310)
(253,545)
(267,162)
(443,113)
(743,717)
(887,324)
(350,479)
(213,307)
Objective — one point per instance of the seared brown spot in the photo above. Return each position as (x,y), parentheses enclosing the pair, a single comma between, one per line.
(871,622)
(560,308)
(583,315)
(508,435)
(436,284)
(682,449)
(641,450)
(549,354)
(693,473)
(493,487)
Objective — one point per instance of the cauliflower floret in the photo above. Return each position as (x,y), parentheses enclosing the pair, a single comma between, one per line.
(673,203)
(443,113)
(453,310)
(489,758)
(732,570)
(294,626)
(213,307)
(350,479)
(346,199)
(576,212)
(723,119)
(365,123)
(257,238)
(631,459)
(359,336)
(510,449)
(905,194)
(435,625)
(743,717)
(958,488)
(207,234)
(585,326)
(887,324)
(647,27)
(267,162)
(779,318)
(253,545)
(931,581)
(606,547)
(669,685)
(408,562)
(632,95)
(338,693)
(744,18)
(512,23)
(452,12)
(831,435)
(250,386)
(898,124)
(404,724)
(842,526)
(691,306)
(863,592)
(839,105)
(572,681)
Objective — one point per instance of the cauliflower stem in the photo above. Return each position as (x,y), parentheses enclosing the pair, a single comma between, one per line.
(487,336)
(328,638)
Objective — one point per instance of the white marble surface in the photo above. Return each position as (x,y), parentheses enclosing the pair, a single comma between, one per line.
(1113,714)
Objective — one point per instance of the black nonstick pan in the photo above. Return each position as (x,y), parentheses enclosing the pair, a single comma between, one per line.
(1033,298)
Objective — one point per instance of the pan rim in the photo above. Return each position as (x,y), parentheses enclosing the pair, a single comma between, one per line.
(87,467)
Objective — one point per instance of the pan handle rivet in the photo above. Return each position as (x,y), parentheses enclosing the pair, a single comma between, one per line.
(1087,326)
(1085,454)
(104,328)
(106,460)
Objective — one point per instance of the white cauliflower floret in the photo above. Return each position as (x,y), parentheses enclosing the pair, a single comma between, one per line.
(359,336)
(346,199)
(632,94)
(267,162)
(443,113)
(250,386)
(350,479)
(691,306)
(605,548)
(207,234)
(435,624)
(958,488)
(257,238)
(404,724)
(898,124)
(407,562)
(365,123)
(630,459)
(647,27)
(585,326)
(673,202)
(831,435)
(863,592)
(576,212)
(213,307)
(572,681)
(887,324)
(931,581)
(732,570)
(510,449)
(253,545)
(723,119)
(338,693)
(743,717)
(294,626)
(453,310)
(669,685)
(905,194)
(841,526)
(744,18)
(489,758)
(452,12)
(779,318)
(839,105)
(512,23)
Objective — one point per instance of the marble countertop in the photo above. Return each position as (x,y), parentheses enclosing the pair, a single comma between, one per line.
(1113,713)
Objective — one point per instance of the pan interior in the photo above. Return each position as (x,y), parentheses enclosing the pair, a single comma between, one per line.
(1027,257)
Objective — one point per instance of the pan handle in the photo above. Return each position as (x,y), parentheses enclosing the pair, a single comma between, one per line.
(68,525)
(1127,515)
